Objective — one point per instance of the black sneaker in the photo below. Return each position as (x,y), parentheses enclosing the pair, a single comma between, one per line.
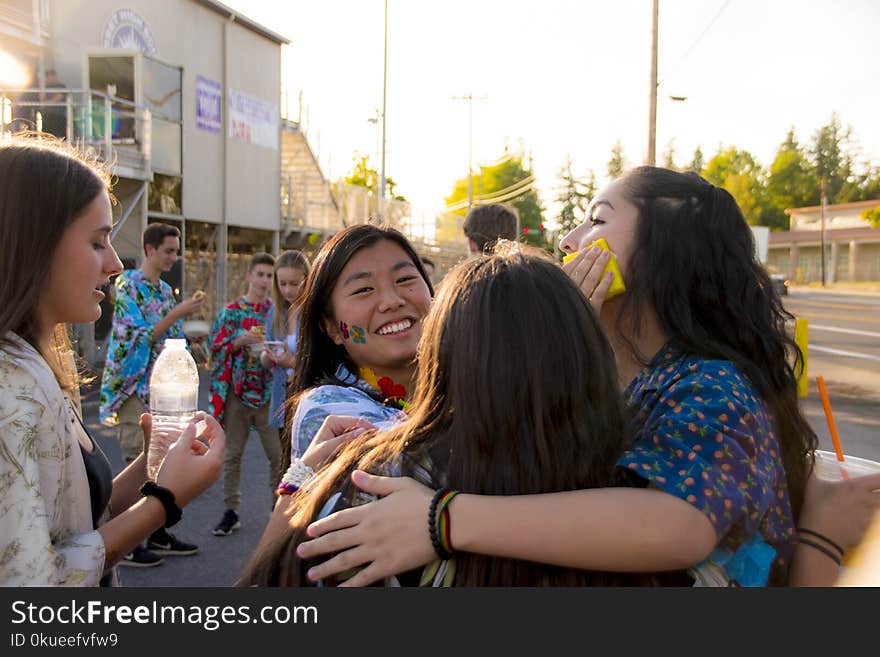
(163,542)
(228,524)
(141,557)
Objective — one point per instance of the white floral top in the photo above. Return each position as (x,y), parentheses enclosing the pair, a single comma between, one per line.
(46,532)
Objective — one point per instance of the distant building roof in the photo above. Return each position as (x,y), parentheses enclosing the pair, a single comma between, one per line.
(837,215)
(227,12)
(837,207)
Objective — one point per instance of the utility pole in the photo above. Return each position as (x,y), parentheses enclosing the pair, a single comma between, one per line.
(381,201)
(652,105)
(470,98)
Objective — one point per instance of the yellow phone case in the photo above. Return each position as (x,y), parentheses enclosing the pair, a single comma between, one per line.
(617,286)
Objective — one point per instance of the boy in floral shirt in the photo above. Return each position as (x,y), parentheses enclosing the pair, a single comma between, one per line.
(241,386)
(145,314)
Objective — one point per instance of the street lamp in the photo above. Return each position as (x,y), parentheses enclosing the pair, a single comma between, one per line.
(470,98)
(381,201)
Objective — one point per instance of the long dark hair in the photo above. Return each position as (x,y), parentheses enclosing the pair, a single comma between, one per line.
(516,394)
(717,300)
(281,306)
(44,187)
(317,356)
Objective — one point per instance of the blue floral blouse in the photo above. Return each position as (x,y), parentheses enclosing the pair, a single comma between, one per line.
(703,433)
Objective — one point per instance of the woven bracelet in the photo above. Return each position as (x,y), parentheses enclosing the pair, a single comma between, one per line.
(445,524)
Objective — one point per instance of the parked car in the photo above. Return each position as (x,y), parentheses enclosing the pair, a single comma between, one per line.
(780,283)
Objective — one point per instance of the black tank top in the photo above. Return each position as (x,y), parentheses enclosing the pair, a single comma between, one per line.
(100,478)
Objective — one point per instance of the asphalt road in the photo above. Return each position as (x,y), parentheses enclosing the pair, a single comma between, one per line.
(839,323)
(845,349)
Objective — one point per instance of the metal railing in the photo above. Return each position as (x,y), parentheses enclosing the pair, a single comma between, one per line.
(117,130)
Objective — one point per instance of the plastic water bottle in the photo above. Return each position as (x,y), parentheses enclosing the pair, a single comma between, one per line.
(174,397)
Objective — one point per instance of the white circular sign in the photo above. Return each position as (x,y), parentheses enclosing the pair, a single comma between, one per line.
(127,30)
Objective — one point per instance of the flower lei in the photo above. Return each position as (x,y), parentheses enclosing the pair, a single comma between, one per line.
(394,393)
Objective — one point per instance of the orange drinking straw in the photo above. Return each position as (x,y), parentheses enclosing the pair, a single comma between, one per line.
(829,417)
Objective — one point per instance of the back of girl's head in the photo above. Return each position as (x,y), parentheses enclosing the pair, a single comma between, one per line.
(44,186)
(317,356)
(694,264)
(516,379)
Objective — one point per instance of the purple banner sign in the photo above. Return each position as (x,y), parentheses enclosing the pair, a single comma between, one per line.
(208,104)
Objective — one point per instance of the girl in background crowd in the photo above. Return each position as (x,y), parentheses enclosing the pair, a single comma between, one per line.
(64,520)
(720,448)
(291,270)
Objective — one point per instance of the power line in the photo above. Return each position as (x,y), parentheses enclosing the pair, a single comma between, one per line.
(512,191)
(705,30)
(677,65)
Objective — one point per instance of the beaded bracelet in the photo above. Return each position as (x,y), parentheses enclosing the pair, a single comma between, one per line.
(821,537)
(297,475)
(432,524)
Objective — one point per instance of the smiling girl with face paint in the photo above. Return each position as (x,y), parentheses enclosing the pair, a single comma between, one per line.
(360,322)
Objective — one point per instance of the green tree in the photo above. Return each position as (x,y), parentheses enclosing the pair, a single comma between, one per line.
(617,163)
(698,161)
(508,181)
(574,195)
(869,183)
(791,183)
(669,155)
(363,175)
(739,173)
(873,216)
(832,161)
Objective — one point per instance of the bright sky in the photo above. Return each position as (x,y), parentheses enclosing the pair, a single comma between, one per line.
(568,78)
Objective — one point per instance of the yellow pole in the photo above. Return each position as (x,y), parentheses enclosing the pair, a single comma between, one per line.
(802,338)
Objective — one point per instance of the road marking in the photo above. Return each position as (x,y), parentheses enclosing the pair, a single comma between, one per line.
(816,315)
(841,352)
(833,306)
(835,329)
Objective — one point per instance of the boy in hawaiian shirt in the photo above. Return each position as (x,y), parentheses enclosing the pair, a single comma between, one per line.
(145,314)
(241,386)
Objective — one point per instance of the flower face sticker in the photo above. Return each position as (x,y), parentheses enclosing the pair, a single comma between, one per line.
(343,328)
(358,335)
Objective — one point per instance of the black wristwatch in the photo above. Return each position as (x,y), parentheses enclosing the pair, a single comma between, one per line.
(173,514)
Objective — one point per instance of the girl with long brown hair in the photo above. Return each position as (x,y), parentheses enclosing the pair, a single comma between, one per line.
(64,519)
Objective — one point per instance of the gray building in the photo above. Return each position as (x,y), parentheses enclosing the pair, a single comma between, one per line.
(181,98)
